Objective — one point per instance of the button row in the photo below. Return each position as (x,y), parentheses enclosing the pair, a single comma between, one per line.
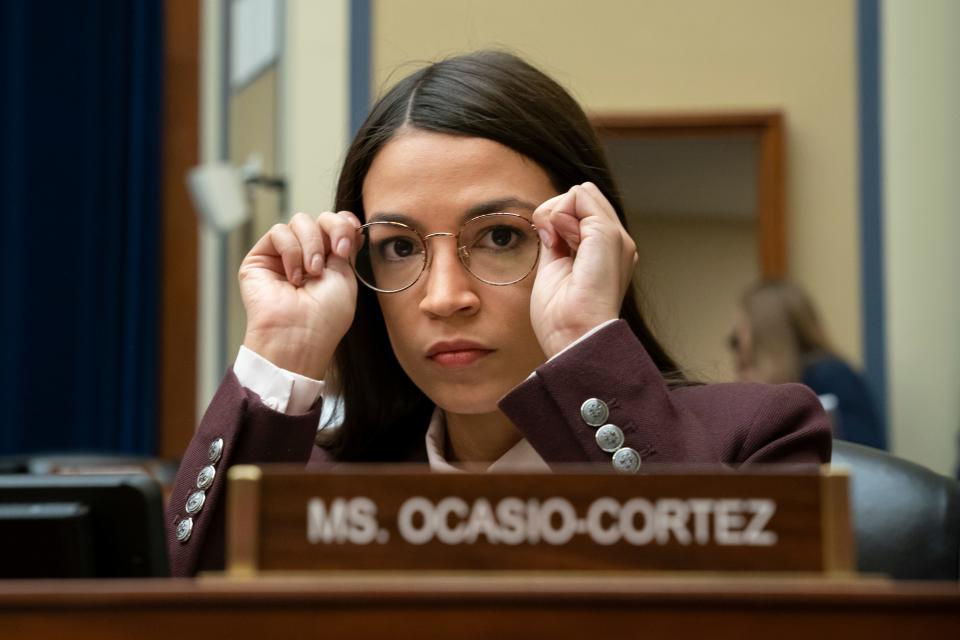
(609,437)
(197,499)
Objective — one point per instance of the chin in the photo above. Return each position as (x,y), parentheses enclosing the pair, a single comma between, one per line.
(465,400)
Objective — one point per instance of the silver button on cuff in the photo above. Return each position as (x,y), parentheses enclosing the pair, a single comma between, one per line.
(216,448)
(594,412)
(626,460)
(184,529)
(195,502)
(609,437)
(205,477)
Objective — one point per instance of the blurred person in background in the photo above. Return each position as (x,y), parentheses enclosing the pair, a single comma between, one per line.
(779,338)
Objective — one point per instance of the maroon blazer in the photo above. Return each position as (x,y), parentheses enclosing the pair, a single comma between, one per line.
(734,423)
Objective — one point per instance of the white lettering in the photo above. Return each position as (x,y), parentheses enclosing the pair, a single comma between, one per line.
(353,521)
(441,519)
(510,515)
(727,520)
(326,525)
(363,521)
(599,534)
(628,514)
(701,519)
(672,516)
(482,522)
(755,533)
(411,532)
(533,521)
(514,521)
(568,521)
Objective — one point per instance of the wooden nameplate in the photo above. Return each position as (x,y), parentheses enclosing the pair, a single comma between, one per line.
(282,519)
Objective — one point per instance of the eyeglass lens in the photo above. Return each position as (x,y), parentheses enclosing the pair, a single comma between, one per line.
(498,249)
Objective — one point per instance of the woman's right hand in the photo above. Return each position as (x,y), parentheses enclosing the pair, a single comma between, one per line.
(299,291)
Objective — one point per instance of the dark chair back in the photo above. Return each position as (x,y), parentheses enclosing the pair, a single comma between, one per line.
(906,518)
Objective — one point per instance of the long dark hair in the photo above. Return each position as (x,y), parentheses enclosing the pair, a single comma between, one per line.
(486,94)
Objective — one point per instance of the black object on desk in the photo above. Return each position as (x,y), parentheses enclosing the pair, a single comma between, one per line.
(63,526)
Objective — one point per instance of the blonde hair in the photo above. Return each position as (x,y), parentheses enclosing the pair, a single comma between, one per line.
(785,329)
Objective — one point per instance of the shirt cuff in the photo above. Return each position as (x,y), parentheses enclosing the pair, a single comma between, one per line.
(281,390)
(582,338)
(577,341)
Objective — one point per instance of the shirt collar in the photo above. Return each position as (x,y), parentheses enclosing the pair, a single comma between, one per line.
(520,457)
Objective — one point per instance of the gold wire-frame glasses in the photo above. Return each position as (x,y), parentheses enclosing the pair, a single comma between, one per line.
(499,249)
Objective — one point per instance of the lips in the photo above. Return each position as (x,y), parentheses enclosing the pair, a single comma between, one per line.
(457,353)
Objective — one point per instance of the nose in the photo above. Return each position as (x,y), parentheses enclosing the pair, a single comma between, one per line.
(449,287)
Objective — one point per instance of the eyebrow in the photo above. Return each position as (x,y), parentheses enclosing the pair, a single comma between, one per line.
(497,205)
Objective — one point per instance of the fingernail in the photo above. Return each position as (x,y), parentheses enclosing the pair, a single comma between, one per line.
(316,263)
(343,247)
(545,238)
(297,276)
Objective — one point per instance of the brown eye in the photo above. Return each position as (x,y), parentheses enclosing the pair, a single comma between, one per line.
(499,238)
(396,248)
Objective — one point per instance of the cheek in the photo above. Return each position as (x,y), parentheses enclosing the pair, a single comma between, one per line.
(515,319)
(398,326)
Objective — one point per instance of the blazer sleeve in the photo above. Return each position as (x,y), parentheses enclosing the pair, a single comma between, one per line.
(237,428)
(720,423)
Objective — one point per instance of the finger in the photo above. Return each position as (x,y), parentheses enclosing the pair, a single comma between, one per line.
(567,227)
(564,203)
(550,250)
(342,232)
(354,220)
(288,247)
(357,237)
(590,198)
(591,203)
(550,254)
(591,193)
(310,237)
(541,220)
(547,205)
(562,217)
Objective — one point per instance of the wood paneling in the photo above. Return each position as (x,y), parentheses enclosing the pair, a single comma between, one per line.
(178,339)
(771,183)
(471,606)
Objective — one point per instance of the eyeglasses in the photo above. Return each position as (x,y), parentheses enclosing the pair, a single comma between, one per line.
(495,248)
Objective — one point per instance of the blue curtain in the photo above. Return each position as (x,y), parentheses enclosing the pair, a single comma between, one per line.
(80,101)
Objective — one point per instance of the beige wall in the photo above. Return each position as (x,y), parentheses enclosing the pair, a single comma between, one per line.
(798,56)
(921,136)
(209,364)
(694,301)
(253,132)
(315,100)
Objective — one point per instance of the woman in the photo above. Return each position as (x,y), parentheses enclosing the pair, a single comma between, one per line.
(458,336)
(778,338)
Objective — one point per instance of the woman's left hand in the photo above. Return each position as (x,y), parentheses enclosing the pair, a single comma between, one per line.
(586,263)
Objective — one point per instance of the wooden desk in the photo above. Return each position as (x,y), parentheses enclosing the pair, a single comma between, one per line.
(487,607)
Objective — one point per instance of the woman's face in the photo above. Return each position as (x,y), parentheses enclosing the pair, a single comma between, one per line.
(463,342)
